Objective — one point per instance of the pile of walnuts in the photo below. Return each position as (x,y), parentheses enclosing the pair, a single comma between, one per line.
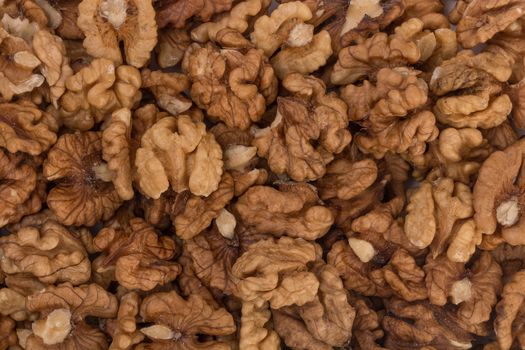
(253,175)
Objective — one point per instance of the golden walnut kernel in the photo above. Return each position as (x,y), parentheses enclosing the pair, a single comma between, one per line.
(136,251)
(276,271)
(107,22)
(309,128)
(83,194)
(180,323)
(178,152)
(63,310)
(499,195)
(293,210)
(48,252)
(232,86)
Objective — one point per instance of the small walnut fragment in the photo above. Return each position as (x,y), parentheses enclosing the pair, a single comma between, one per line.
(499,196)
(49,252)
(84,193)
(107,22)
(136,251)
(178,152)
(293,211)
(310,117)
(63,310)
(179,323)
(232,86)
(277,272)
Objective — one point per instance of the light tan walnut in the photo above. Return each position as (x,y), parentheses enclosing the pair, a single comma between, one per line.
(97,90)
(136,251)
(84,193)
(177,152)
(168,90)
(48,252)
(256,330)
(232,86)
(63,310)
(178,12)
(499,195)
(277,272)
(180,323)
(308,130)
(106,23)
(123,329)
(293,210)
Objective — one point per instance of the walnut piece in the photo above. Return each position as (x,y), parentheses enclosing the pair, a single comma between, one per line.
(255,333)
(125,333)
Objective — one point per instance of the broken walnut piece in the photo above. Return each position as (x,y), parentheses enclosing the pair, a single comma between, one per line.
(63,310)
(178,152)
(49,252)
(232,86)
(105,23)
(309,128)
(83,194)
(136,251)
(293,210)
(276,271)
(179,323)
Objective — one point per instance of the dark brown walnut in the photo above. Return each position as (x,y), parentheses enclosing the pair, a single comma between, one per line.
(7,335)
(213,253)
(168,90)
(293,210)
(510,258)
(84,193)
(181,324)
(178,12)
(510,315)
(277,271)
(198,212)
(499,196)
(232,86)
(157,211)
(63,311)
(24,128)
(420,324)
(480,20)
(392,113)
(68,28)
(190,284)
(20,188)
(49,252)
(140,257)
(308,130)
(322,323)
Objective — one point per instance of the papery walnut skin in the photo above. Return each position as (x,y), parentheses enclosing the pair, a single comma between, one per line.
(80,197)
(182,321)
(137,251)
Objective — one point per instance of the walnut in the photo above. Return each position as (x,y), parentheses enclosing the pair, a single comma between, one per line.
(509,313)
(310,117)
(96,90)
(431,12)
(116,146)
(167,89)
(13,304)
(63,310)
(180,323)
(7,335)
(172,44)
(198,213)
(432,212)
(21,191)
(293,211)
(498,195)
(232,86)
(68,10)
(178,12)
(277,272)
(398,93)
(124,330)
(481,21)
(107,22)
(421,324)
(178,151)
(84,193)
(476,81)
(48,252)
(136,251)
(255,332)
(326,320)
(366,329)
